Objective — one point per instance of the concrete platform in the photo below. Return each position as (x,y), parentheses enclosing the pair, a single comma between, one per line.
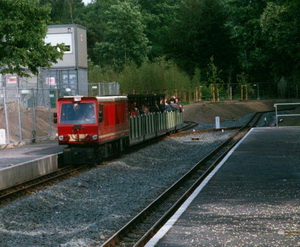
(26,162)
(251,199)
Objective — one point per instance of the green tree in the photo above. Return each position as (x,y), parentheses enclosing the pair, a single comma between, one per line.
(242,78)
(158,15)
(200,33)
(23,27)
(196,79)
(244,23)
(213,73)
(64,11)
(124,38)
(92,17)
(280,23)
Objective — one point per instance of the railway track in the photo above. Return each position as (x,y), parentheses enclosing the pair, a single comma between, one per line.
(17,191)
(41,182)
(142,227)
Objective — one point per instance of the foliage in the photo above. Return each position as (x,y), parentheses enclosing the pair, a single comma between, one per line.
(23,27)
(252,54)
(242,78)
(206,92)
(280,25)
(97,74)
(158,16)
(213,74)
(196,79)
(152,77)
(124,38)
(257,38)
(63,11)
(200,33)
(92,17)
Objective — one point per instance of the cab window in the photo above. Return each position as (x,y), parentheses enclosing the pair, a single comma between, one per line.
(77,113)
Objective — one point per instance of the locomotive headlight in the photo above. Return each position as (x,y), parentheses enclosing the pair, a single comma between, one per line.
(95,137)
(64,138)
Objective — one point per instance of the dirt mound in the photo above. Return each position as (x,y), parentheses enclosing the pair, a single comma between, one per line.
(34,124)
(229,110)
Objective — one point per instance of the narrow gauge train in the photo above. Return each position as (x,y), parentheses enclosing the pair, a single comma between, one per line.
(94,128)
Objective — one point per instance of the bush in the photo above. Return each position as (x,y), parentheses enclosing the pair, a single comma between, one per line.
(160,76)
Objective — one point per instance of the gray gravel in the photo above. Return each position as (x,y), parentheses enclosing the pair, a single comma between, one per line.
(87,209)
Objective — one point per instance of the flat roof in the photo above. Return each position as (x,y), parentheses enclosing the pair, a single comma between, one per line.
(98,98)
(67,25)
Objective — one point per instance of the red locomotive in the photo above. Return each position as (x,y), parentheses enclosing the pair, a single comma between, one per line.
(98,127)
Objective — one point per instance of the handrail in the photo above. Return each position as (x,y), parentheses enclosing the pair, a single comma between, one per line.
(284,115)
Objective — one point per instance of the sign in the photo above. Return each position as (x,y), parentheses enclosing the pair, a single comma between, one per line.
(2,136)
(50,81)
(25,91)
(11,80)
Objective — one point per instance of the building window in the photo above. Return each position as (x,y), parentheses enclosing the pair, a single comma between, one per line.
(60,38)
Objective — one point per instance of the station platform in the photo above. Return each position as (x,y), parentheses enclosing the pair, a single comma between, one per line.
(22,163)
(252,198)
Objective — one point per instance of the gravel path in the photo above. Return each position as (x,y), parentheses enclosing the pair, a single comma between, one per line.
(87,209)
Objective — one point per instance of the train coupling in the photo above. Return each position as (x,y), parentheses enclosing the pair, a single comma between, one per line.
(80,156)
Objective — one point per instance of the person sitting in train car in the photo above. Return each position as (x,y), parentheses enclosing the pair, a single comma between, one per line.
(134,111)
(161,106)
(178,102)
(155,107)
(168,108)
(145,109)
(174,106)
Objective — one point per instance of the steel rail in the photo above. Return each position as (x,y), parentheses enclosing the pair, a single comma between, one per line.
(129,236)
(32,184)
(24,188)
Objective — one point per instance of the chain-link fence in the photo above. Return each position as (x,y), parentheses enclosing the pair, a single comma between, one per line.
(26,115)
(235,91)
(216,92)
(101,89)
(232,91)
(26,112)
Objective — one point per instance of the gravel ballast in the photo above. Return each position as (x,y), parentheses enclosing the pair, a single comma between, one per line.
(87,209)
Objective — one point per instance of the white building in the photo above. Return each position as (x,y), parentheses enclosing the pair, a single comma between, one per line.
(69,74)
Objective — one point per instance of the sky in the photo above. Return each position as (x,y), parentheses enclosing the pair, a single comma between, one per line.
(86,1)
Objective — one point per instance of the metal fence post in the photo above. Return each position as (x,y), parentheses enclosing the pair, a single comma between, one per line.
(276,116)
(50,119)
(6,116)
(19,114)
(33,116)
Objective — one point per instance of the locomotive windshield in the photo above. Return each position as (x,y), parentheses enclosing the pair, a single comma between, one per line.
(77,113)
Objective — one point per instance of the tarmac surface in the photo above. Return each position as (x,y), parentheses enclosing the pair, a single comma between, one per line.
(251,199)
(21,154)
